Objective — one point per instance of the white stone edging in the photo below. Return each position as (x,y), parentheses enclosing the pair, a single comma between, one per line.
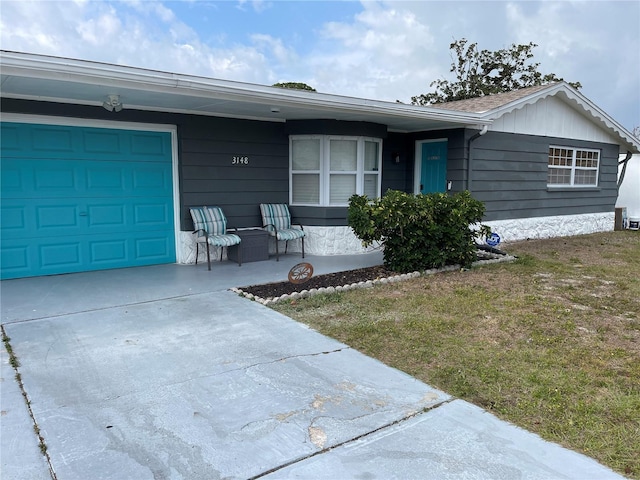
(364,284)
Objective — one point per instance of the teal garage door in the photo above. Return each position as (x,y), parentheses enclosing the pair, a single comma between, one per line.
(76,199)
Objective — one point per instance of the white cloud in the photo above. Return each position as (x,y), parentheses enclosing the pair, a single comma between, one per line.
(138,33)
(258,6)
(594,43)
(275,47)
(386,50)
(381,53)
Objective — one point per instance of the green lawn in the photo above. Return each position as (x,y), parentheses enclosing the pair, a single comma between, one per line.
(550,342)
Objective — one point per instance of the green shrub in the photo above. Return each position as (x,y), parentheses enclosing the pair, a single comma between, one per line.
(419,231)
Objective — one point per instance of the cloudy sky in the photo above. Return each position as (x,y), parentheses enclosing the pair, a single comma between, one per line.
(385,50)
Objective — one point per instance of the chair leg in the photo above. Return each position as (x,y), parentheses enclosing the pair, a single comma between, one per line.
(197,251)
(286,246)
(208,257)
(221,251)
(277,253)
(302,247)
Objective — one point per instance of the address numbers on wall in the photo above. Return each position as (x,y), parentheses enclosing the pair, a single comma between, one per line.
(239,160)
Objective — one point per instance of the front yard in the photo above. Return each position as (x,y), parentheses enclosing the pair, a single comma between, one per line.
(550,342)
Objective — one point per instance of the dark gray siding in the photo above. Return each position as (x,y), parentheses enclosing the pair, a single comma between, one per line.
(209,176)
(509,174)
(397,176)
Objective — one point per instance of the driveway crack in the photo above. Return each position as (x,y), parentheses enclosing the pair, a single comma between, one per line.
(354,439)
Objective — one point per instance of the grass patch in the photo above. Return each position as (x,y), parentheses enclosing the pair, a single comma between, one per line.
(550,342)
(13,361)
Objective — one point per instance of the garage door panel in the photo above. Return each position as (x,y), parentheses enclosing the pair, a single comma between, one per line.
(152,215)
(149,147)
(105,179)
(13,219)
(12,179)
(153,179)
(97,198)
(105,252)
(60,254)
(15,256)
(150,247)
(101,141)
(101,215)
(61,219)
(62,178)
(48,138)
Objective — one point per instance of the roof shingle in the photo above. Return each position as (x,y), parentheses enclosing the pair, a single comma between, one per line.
(490,102)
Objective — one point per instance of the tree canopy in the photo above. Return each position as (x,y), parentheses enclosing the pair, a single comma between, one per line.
(294,86)
(485,72)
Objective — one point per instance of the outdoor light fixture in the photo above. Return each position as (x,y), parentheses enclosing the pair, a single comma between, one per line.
(112,103)
(396,157)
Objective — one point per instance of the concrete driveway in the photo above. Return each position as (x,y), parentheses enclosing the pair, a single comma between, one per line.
(162,373)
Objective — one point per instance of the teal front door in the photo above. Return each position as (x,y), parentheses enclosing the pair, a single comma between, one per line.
(80,198)
(433,167)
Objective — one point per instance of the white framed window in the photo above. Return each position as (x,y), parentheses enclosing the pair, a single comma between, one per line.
(325,170)
(573,167)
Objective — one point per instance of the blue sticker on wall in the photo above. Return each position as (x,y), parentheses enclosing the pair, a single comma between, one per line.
(493,239)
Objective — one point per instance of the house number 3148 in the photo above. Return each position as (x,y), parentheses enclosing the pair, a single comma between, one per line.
(237,160)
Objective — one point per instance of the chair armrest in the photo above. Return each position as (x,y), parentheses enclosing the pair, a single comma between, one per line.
(204,232)
(270,225)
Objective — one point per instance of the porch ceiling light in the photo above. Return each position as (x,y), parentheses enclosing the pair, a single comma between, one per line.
(112,103)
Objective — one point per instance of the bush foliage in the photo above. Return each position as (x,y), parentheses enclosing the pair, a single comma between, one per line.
(419,231)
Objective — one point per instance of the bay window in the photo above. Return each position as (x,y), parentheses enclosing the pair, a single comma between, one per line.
(327,169)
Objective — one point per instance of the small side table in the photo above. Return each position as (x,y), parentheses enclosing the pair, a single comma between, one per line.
(254,246)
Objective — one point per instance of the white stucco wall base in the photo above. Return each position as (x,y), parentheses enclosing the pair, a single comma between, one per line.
(342,240)
(333,241)
(549,227)
(318,241)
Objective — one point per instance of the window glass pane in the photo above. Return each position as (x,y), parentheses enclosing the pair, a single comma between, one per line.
(341,188)
(306,188)
(343,155)
(371,186)
(371,156)
(559,176)
(585,177)
(560,157)
(305,154)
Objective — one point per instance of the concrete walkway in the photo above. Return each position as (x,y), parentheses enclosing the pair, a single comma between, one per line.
(162,373)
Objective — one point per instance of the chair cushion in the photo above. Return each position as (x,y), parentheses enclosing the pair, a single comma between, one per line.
(223,240)
(209,219)
(290,234)
(276,214)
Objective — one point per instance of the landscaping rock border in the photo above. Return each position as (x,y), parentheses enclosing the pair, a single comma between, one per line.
(485,259)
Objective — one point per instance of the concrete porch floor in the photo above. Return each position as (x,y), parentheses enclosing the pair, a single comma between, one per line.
(162,373)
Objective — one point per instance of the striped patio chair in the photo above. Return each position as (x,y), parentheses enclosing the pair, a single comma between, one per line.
(276,219)
(210,226)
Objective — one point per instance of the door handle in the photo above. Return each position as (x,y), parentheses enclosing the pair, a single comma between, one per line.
(83,214)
